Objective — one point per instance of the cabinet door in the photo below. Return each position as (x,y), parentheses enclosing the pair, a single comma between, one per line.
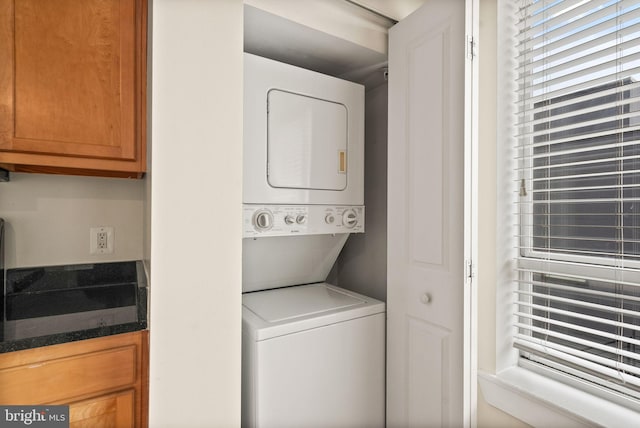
(113,410)
(72,83)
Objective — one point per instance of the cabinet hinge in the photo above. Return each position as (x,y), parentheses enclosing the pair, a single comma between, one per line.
(471,48)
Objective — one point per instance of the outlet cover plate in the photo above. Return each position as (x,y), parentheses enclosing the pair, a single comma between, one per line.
(94,234)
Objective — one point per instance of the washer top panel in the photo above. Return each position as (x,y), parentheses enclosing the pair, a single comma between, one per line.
(272,313)
(289,303)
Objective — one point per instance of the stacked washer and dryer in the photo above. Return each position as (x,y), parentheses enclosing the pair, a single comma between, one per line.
(313,353)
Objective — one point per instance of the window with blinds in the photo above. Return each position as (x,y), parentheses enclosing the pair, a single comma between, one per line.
(578,186)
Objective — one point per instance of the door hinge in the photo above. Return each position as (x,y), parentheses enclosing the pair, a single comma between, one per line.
(471,48)
(469,269)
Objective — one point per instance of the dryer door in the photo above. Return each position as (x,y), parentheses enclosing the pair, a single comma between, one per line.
(307,142)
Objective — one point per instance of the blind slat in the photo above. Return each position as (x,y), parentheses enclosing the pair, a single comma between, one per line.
(582,44)
(532,42)
(614,271)
(572,139)
(604,71)
(581,150)
(577,315)
(567,350)
(570,20)
(579,85)
(630,103)
(582,189)
(589,305)
(585,361)
(582,290)
(579,239)
(586,344)
(577,327)
(629,258)
(578,125)
(576,99)
(561,68)
(538,10)
(590,175)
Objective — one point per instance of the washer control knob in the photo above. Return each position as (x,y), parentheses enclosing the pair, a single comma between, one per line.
(263,220)
(350,218)
(289,219)
(329,219)
(301,219)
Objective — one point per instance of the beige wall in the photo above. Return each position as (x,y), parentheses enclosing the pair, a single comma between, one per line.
(488,416)
(48,218)
(196,213)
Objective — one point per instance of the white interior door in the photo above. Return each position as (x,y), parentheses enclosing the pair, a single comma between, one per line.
(426,219)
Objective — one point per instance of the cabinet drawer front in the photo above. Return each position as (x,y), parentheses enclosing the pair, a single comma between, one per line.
(114,410)
(57,379)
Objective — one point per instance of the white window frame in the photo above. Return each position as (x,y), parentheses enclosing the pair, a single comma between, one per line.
(538,397)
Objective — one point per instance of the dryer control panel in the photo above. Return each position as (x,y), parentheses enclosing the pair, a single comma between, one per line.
(289,220)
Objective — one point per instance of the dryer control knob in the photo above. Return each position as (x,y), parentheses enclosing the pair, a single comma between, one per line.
(329,219)
(263,220)
(301,219)
(350,218)
(289,219)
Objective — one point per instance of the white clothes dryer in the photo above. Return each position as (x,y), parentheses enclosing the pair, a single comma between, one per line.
(313,356)
(303,136)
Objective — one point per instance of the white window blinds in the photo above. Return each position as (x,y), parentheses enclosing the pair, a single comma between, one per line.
(578,185)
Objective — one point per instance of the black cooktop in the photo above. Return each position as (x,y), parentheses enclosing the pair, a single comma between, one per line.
(42,302)
(56,290)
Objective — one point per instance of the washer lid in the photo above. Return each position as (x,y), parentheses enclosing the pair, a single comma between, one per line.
(286,304)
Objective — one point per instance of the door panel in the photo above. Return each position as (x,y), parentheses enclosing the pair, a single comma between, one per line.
(428,373)
(425,295)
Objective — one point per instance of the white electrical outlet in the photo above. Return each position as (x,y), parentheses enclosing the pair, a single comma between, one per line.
(101,240)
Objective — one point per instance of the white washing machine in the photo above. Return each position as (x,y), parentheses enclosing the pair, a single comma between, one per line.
(313,356)
(313,353)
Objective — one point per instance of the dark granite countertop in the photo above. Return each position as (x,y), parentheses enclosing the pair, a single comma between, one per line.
(57,304)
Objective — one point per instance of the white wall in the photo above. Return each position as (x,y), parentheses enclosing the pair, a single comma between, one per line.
(362,265)
(48,218)
(488,416)
(196,213)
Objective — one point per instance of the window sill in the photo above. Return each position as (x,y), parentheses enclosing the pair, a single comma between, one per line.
(541,401)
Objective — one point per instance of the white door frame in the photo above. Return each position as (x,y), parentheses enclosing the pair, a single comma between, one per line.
(471,212)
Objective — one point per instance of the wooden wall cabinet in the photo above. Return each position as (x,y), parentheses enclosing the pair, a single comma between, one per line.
(73,86)
(104,381)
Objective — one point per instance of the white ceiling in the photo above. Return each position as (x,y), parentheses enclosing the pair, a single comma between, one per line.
(273,36)
(278,38)
(394,9)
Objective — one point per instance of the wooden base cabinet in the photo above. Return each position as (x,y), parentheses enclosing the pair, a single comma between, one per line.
(104,381)
(113,410)
(73,86)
